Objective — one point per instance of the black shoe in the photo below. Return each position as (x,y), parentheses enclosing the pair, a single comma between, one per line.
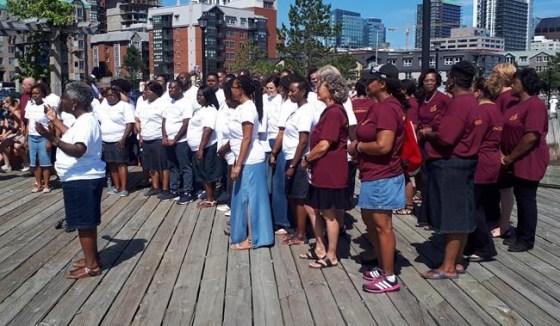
(518,247)
(185,199)
(152,192)
(169,195)
(510,241)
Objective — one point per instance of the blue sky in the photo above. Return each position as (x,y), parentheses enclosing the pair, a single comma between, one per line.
(400,13)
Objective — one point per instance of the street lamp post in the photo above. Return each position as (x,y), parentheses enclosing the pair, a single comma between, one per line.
(550,65)
(203,23)
(437,46)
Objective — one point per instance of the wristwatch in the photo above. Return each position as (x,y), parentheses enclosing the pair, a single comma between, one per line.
(291,166)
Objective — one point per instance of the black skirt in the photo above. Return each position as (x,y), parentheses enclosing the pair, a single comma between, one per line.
(154,156)
(297,186)
(326,198)
(112,155)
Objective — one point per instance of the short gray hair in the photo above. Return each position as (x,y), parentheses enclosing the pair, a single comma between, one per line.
(336,85)
(81,93)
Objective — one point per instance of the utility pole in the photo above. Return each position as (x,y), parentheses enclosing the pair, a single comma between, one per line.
(426,18)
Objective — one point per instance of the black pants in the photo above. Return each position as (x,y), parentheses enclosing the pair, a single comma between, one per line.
(480,241)
(525,192)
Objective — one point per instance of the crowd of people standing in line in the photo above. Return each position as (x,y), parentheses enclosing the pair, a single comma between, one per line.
(273,160)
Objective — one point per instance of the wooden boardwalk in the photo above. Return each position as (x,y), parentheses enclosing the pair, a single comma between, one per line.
(170,264)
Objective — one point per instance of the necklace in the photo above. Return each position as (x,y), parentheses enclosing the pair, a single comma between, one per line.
(430,99)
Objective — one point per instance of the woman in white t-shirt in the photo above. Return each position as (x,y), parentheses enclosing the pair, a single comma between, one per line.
(149,118)
(39,146)
(295,145)
(81,172)
(116,119)
(203,142)
(250,203)
(272,101)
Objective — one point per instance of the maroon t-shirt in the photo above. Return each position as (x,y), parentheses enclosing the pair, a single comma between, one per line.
(331,170)
(25,97)
(461,128)
(361,106)
(506,100)
(524,117)
(412,111)
(430,109)
(489,156)
(387,115)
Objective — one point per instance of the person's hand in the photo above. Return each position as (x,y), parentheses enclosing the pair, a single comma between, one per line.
(170,142)
(222,151)
(424,131)
(304,165)
(120,145)
(235,172)
(50,112)
(199,154)
(506,160)
(353,148)
(47,133)
(272,160)
(290,172)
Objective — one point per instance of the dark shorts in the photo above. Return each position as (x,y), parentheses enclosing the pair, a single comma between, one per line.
(297,186)
(112,155)
(154,156)
(325,198)
(506,180)
(209,169)
(82,203)
(450,197)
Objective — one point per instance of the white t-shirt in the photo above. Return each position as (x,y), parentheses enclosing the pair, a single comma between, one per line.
(263,134)
(150,115)
(89,166)
(320,106)
(201,118)
(301,120)
(288,107)
(67,119)
(222,130)
(246,112)
(174,112)
(271,107)
(221,96)
(53,100)
(191,95)
(113,120)
(35,113)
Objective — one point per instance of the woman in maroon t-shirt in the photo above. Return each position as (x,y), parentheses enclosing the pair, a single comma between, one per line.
(432,104)
(526,154)
(328,166)
(361,104)
(503,74)
(480,246)
(451,149)
(379,143)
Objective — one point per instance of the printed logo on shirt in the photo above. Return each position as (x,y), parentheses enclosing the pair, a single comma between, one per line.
(478,122)
(365,122)
(513,117)
(497,128)
(433,108)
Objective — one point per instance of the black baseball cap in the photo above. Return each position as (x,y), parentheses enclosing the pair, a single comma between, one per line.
(385,71)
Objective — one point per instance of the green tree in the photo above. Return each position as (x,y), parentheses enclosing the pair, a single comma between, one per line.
(33,57)
(307,42)
(552,78)
(134,64)
(251,56)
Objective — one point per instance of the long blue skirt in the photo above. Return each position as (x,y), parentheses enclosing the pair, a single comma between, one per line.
(278,190)
(250,203)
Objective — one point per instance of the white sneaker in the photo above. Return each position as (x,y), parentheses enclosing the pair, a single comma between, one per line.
(222,207)
(6,168)
(25,169)
(228,212)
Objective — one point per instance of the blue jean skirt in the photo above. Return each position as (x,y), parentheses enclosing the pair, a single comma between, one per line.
(384,194)
(451,205)
(82,203)
(38,153)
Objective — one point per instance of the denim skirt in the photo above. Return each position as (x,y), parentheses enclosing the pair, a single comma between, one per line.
(82,203)
(384,194)
(451,206)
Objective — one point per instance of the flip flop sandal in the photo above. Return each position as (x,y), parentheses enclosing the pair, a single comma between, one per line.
(36,188)
(324,262)
(434,274)
(207,204)
(310,255)
(238,247)
(294,240)
(404,211)
(83,272)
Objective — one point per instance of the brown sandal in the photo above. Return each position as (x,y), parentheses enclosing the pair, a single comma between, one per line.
(83,272)
(81,263)
(294,240)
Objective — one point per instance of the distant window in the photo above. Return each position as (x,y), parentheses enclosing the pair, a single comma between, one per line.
(243,21)
(230,20)
(407,62)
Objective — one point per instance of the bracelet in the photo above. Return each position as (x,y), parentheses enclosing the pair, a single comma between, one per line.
(291,166)
(358,148)
(306,158)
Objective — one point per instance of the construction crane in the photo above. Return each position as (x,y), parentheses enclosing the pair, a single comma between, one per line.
(408,29)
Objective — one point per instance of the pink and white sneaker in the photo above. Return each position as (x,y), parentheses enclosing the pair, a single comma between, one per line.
(373,275)
(381,285)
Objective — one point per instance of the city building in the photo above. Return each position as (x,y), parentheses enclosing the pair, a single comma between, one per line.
(509,19)
(530,59)
(540,43)
(468,38)
(7,51)
(109,50)
(128,14)
(445,15)
(357,32)
(178,40)
(548,28)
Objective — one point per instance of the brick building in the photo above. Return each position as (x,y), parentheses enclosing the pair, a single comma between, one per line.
(110,49)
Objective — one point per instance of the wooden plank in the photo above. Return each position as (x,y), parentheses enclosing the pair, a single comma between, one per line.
(266,305)
(126,303)
(238,306)
(294,304)
(154,303)
(114,252)
(180,310)
(210,303)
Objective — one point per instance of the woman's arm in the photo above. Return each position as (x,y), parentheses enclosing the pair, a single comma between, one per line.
(316,153)
(182,131)
(381,146)
(528,141)
(244,151)
(224,149)
(298,155)
(206,133)
(277,146)
(122,142)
